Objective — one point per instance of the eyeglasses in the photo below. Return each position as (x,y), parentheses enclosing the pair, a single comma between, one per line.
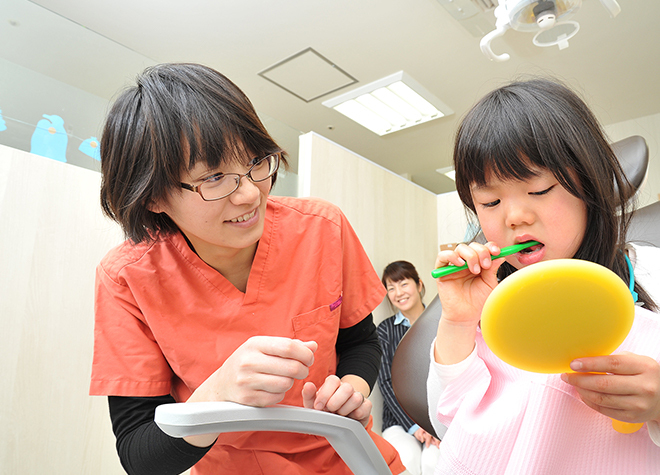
(222,185)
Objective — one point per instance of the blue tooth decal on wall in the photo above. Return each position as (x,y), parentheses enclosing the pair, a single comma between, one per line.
(49,138)
(92,148)
(3,124)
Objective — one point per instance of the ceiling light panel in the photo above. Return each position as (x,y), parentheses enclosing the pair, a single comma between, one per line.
(390,104)
(449,172)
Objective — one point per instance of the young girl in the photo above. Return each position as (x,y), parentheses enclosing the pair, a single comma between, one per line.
(533,164)
(418,449)
(217,295)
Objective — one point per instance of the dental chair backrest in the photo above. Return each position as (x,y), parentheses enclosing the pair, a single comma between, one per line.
(412,358)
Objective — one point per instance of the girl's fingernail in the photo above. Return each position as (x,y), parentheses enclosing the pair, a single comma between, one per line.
(485,262)
(576,365)
(476,269)
(564,377)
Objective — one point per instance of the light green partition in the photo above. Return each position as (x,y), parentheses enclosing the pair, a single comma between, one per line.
(52,235)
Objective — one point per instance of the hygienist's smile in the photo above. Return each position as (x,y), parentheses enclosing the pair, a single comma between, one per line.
(246,219)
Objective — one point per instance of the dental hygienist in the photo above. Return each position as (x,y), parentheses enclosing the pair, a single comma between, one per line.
(222,292)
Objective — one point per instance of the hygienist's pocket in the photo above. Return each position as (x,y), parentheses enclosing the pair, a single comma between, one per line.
(322,326)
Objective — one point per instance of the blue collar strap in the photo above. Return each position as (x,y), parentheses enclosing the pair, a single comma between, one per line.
(632,278)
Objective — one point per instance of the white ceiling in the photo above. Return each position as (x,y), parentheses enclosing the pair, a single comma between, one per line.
(613,63)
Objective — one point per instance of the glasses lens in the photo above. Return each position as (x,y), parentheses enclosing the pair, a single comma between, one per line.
(265,167)
(219,186)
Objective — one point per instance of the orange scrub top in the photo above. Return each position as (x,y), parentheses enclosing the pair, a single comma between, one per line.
(165,321)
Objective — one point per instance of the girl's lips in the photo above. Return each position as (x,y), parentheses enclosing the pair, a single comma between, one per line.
(531,249)
(531,255)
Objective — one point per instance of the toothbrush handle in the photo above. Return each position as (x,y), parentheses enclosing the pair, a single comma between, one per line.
(446,270)
(507,251)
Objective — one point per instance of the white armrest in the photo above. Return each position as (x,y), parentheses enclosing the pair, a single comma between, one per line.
(347,436)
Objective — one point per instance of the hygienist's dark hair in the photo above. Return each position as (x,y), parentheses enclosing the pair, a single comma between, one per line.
(175,116)
(544,123)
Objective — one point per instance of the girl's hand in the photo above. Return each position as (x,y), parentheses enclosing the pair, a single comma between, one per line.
(338,397)
(426,438)
(629,392)
(463,293)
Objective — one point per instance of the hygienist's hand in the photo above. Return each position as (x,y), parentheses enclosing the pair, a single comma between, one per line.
(339,397)
(259,372)
(629,392)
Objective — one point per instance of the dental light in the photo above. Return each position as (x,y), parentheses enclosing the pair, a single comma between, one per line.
(546,17)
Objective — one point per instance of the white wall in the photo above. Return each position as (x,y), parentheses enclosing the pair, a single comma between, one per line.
(52,236)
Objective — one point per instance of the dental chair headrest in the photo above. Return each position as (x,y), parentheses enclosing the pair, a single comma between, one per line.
(633,155)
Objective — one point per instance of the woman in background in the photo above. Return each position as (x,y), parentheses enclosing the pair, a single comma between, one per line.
(418,449)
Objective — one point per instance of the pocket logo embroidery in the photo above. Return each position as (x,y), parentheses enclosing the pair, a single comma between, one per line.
(335,304)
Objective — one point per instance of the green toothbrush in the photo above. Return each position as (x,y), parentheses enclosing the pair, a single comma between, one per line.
(506,251)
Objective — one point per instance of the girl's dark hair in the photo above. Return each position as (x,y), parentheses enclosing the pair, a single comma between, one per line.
(174,117)
(543,122)
(398,270)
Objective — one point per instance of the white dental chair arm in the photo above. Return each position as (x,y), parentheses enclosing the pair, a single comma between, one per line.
(347,436)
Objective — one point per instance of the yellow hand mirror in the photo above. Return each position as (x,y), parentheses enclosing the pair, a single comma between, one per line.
(545,315)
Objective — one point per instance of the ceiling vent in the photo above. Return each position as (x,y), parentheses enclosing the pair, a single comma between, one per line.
(485,5)
(308,75)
